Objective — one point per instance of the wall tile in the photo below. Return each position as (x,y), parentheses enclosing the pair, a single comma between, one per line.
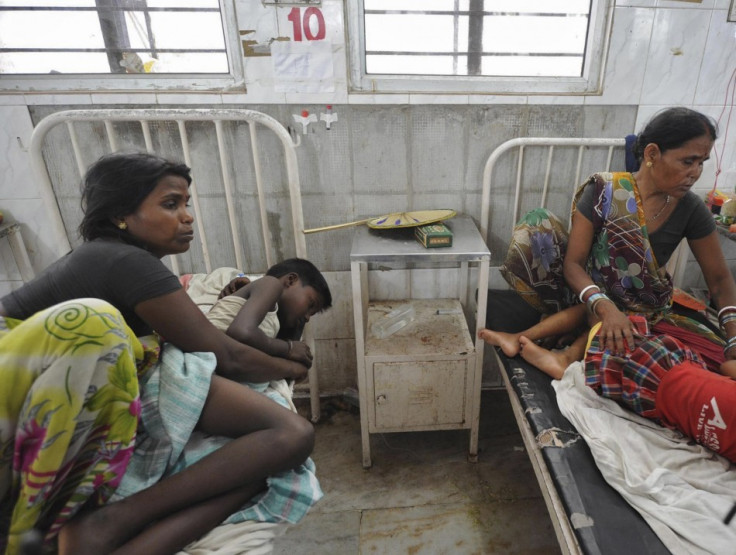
(675,55)
(375,99)
(625,67)
(36,230)
(12,100)
(174,99)
(336,365)
(685,4)
(58,99)
(16,175)
(336,322)
(636,3)
(438,99)
(719,62)
(8,286)
(389,283)
(555,100)
(123,98)
(497,99)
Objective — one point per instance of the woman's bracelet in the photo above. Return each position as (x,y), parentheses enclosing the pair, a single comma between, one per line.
(582,293)
(288,344)
(726,309)
(726,318)
(594,299)
(730,343)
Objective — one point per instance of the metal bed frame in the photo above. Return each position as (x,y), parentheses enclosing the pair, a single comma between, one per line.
(148,126)
(581,147)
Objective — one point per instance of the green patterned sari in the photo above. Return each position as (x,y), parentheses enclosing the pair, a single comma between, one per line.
(68,429)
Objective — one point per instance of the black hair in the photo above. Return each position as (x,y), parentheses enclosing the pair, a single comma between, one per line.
(672,128)
(308,274)
(116,185)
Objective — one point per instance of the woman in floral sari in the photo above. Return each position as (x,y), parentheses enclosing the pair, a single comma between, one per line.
(624,229)
(85,389)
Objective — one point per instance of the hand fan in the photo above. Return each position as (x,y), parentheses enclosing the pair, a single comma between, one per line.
(396,220)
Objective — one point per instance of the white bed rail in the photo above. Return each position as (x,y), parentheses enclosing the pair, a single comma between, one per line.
(527,164)
(581,145)
(164,131)
(179,116)
(522,171)
(584,156)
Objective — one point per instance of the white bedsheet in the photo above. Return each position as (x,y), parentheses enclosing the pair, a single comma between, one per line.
(253,538)
(683,490)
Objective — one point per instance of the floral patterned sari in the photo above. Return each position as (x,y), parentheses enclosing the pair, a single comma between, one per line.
(68,413)
(622,262)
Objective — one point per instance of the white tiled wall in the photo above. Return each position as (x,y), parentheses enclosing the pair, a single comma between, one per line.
(662,52)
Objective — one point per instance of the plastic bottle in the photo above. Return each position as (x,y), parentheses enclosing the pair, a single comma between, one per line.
(392,322)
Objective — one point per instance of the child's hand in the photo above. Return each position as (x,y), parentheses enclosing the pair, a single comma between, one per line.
(233,286)
(300,352)
(728,368)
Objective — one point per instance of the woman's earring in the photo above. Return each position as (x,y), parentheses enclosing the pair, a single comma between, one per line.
(122,225)
(649,164)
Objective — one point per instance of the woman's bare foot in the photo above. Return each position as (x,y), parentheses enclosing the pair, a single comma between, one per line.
(551,363)
(509,342)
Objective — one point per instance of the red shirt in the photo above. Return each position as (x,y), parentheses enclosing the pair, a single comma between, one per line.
(702,405)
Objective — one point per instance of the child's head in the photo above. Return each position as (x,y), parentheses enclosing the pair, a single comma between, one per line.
(305,291)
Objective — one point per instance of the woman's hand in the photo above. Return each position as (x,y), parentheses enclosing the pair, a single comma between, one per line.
(300,352)
(299,371)
(617,331)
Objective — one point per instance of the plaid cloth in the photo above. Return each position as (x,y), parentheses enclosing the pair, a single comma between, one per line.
(632,380)
(172,398)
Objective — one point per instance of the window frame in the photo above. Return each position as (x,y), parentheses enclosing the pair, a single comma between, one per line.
(90,83)
(590,83)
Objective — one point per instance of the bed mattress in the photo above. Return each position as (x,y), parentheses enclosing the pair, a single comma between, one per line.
(602,521)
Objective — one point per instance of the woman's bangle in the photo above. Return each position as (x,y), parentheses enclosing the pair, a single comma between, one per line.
(585,289)
(594,299)
(726,309)
(730,343)
(726,318)
(288,344)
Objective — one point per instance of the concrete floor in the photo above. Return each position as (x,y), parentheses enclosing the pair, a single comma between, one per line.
(421,496)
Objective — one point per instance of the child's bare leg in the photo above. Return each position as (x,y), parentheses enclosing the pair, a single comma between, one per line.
(553,363)
(561,322)
(268,439)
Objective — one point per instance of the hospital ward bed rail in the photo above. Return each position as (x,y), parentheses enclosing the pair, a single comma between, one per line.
(177,120)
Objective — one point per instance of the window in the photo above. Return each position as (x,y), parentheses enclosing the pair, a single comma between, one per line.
(121,44)
(478,46)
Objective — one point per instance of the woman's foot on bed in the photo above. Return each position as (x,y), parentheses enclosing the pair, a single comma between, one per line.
(551,363)
(509,342)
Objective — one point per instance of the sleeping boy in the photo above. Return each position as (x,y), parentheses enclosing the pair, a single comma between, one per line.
(270,313)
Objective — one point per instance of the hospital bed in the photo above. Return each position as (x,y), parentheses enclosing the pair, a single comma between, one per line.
(245,196)
(605,474)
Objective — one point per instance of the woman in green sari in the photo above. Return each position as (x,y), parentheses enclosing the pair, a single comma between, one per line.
(624,229)
(87,385)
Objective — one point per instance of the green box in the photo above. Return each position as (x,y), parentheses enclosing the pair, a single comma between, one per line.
(434,235)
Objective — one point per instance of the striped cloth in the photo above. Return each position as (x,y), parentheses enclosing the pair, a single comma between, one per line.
(632,379)
(172,398)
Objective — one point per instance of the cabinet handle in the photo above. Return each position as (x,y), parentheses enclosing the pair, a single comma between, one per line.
(380,400)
